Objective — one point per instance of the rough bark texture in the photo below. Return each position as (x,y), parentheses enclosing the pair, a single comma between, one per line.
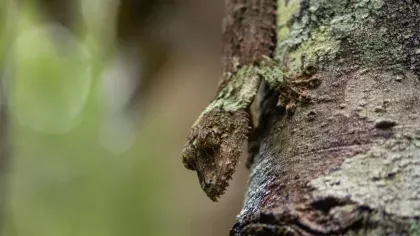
(348,163)
(248,33)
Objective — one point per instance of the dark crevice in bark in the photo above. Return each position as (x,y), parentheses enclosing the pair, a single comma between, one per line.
(345,217)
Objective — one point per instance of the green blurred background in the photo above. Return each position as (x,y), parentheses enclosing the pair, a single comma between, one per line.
(64,176)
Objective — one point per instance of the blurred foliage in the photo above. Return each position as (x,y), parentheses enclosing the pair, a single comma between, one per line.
(62,180)
(64,177)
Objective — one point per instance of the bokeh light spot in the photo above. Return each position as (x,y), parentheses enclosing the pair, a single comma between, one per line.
(48,78)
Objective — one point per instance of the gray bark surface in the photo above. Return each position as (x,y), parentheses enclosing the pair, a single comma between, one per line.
(348,163)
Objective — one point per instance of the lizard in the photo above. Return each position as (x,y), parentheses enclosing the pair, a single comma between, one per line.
(249,39)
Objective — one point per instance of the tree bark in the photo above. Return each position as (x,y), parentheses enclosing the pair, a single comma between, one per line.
(347,163)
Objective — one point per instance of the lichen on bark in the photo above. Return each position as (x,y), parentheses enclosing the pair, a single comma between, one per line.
(375,32)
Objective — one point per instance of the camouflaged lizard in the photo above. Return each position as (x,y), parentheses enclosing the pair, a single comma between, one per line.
(216,138)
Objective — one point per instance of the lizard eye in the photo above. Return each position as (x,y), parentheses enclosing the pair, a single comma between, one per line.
(212,139)
(311,69)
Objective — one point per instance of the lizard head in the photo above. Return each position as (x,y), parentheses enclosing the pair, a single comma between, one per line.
(213,172)
(213,149)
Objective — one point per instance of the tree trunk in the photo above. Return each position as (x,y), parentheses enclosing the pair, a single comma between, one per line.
(347,162)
